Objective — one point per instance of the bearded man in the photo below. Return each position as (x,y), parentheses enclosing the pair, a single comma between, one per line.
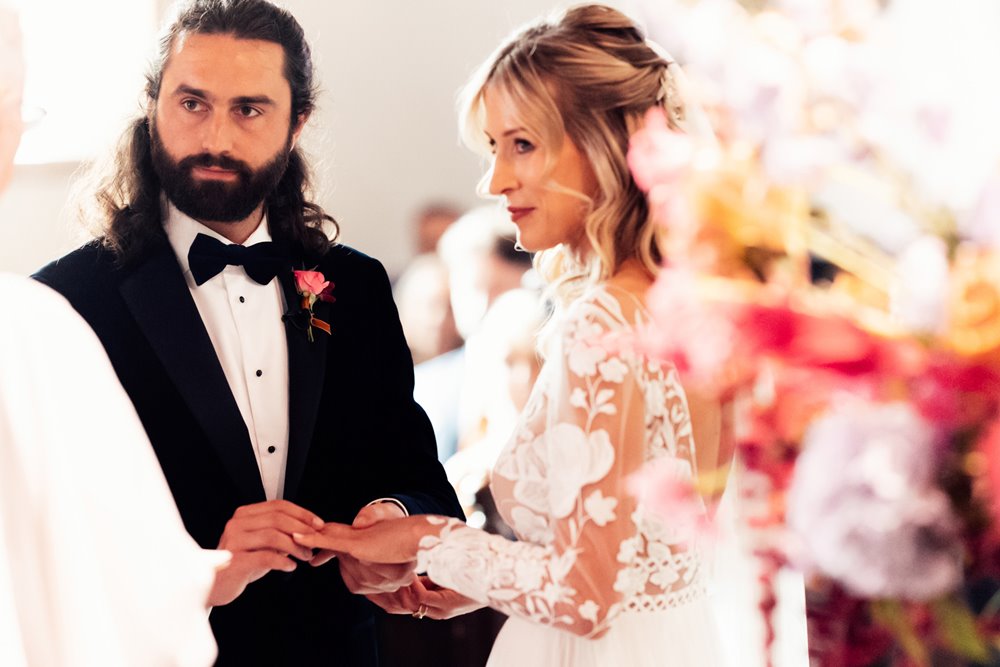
(267,363)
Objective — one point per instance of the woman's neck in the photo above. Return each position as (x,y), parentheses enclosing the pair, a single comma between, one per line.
(632,276)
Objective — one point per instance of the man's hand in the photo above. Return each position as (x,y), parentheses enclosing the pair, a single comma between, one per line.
(244,568)
(259,536)
(368,516)
(366,578)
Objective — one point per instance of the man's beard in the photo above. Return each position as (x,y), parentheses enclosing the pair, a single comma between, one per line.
(214,200)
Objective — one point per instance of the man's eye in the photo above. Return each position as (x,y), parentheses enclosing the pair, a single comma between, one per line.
(191,105)
(247,111)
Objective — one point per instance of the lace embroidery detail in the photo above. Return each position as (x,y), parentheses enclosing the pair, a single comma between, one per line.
(588,550)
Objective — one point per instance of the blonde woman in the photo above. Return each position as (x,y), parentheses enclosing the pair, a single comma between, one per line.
(594,579)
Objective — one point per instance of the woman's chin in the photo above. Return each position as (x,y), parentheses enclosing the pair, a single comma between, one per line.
(528,243)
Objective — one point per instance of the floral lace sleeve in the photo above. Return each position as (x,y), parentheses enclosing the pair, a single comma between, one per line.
(586,552)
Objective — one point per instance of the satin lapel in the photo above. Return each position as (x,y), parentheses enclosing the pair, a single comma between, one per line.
(162,306)
(306,374)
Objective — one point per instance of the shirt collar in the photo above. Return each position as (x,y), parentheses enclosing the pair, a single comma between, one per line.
(181,230)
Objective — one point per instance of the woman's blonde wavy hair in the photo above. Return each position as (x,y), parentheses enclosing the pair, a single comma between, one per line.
(588,74)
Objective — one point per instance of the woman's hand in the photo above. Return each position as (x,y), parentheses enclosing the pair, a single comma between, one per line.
(362,577)
(443,603)
(389,541)
(437,603)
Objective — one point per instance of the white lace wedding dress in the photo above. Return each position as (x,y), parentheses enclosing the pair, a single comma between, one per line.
(595,579)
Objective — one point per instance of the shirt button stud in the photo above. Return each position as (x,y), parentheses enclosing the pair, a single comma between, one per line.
(259,373)
(271,449)
(242,300)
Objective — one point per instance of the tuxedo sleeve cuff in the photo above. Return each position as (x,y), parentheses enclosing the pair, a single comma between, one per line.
(398,503)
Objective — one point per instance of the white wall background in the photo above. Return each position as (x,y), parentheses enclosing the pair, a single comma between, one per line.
(384,138)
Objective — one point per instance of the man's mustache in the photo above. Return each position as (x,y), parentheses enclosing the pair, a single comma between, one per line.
(217,161)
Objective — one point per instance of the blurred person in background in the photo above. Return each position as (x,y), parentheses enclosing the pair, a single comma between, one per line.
(430,223)
(484,262)
(481,262)
(508,367)
(422,295)
(96,567)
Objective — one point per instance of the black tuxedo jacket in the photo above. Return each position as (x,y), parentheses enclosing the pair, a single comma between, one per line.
(355,432)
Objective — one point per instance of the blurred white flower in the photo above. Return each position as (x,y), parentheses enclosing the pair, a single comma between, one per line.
(817,18)
(936,117)
(801,160)
(919,295)
(880,526)
(868,206)
(981,225)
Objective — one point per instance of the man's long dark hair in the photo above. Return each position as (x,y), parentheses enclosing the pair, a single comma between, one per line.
(128,191)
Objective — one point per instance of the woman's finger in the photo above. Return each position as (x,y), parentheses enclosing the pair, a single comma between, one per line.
(402,601)
(436,596)
(333,537)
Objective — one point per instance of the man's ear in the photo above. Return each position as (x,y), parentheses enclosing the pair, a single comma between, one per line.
(300,124)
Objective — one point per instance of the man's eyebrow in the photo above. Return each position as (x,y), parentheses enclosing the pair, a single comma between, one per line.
(262,100)
(185,89)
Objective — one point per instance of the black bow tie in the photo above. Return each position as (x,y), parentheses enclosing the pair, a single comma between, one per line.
(208,256)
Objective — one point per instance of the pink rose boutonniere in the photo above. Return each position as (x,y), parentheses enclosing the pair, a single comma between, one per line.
(313,286)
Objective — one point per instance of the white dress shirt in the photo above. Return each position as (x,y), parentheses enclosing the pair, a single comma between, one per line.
(96,567)
(243,319)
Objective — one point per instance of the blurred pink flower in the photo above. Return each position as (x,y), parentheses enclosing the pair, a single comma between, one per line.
(824,342)
(665,487)
(802,340)
(715,342)
(988,446)
(695,335)
(953,392)
(660,159)
(659,155)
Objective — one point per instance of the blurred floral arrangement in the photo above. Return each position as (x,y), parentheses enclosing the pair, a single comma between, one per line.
(862,136)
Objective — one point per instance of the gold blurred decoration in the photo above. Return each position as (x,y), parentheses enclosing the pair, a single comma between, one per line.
(974,306)
(757,227)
